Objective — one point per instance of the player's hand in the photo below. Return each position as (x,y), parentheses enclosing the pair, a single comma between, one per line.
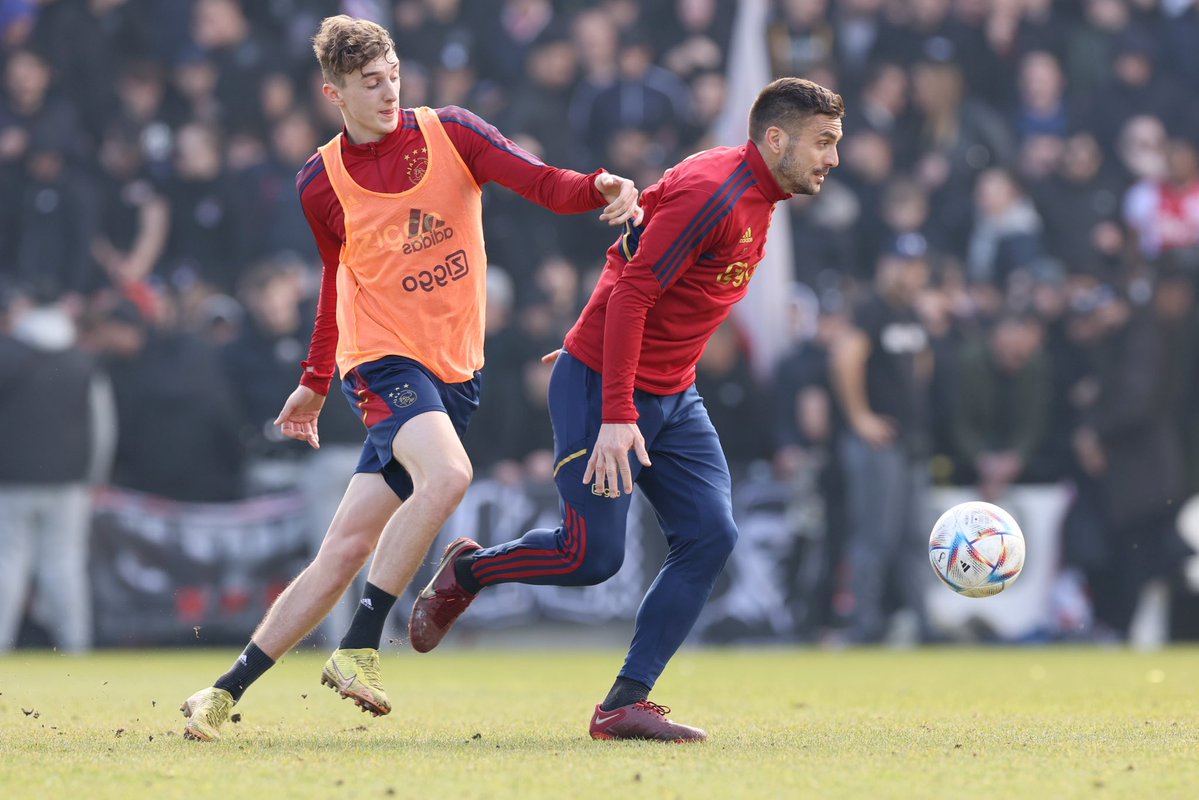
(298,418)
(876,431)
(621,195)
(551,356)
(609,462)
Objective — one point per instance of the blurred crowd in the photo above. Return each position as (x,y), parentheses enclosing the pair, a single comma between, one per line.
(1018,198)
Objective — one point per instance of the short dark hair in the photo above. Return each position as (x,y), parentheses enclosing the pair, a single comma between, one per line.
(788,102)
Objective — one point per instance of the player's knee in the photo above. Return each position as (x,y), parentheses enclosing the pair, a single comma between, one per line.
(725,537)
(599,566)
(448,483)
(718,537)
(348,553)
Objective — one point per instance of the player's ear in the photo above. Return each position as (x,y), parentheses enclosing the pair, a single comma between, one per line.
(330,91)
(776,139)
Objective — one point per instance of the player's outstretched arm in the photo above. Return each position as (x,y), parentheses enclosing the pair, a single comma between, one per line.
(299,416)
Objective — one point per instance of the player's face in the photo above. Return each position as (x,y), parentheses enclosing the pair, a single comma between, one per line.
(370,99)
(808,155)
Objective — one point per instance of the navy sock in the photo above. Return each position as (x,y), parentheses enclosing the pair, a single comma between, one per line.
(366,629)
(466,578)
(625,692)
(249,667)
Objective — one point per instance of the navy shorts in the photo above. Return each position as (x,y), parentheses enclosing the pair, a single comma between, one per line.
(392,390)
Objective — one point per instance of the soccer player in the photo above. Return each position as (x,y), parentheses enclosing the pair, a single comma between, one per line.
(394,204)
(624,380)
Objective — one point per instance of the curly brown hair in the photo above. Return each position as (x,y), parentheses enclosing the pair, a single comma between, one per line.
(345,44)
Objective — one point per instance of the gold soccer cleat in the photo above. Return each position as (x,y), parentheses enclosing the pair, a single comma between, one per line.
(355,674)
(206,711)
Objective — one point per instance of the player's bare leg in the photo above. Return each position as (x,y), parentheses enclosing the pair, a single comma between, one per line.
(432,455)
(368,504)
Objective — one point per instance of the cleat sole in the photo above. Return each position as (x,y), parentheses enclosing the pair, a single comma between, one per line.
(363,705)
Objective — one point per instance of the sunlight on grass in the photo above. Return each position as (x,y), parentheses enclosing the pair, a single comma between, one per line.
(1026,723)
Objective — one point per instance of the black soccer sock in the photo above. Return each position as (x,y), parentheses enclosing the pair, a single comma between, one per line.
(366,629)
(466,578)
(249,667)
(625,692)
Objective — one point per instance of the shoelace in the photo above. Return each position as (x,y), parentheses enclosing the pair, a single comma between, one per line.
(370,671)
(652,707)
(217,709)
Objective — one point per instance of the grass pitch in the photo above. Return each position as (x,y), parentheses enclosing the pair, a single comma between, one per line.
(1013,723)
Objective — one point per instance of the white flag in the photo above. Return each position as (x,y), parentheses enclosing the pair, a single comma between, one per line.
(762,314)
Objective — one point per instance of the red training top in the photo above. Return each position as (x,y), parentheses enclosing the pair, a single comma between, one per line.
(668,284)
(395,164)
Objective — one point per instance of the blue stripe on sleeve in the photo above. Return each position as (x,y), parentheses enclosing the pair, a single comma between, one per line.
(725,210)
(682,237)
(317,170)
(473,122)
(304,173)
(685,240)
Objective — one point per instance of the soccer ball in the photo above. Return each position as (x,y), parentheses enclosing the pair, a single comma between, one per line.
(976,549)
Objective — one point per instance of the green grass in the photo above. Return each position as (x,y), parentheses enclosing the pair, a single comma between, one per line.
(1011,723)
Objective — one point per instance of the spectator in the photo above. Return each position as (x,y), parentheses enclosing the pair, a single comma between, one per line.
(57,219)
(883,106)
(1007,229)
(141,104)
(29,112)
(733,399)
(800,37)
(959,137)
(806,428)
(201,244)
(1091,46)
(134,216)
(693,37)
(541,101)
(1042,107)
(1001,413)
(160,377)
(506,32)
(1136,87)
(644,97)
(46,469)
(1129,442)
(857,27)
(881,371)
(1080,204)
(260,366)
(239,56)
(1164,214)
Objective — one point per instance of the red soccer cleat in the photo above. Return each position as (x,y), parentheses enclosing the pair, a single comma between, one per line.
(642,720)
(440,603)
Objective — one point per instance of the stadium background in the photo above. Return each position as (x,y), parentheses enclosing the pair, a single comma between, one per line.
(1041,156)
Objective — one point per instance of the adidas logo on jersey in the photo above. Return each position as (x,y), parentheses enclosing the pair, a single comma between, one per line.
(425,229)
(747,237)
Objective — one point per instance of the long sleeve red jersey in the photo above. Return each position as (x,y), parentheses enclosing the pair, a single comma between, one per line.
(395,164)
(668,284)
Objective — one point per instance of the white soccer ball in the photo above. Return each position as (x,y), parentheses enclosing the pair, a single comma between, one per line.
(976,549)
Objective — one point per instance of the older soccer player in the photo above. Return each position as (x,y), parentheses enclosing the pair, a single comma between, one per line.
(625,381)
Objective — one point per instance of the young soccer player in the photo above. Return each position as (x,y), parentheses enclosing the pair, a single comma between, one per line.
(394,204)
(625,381)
